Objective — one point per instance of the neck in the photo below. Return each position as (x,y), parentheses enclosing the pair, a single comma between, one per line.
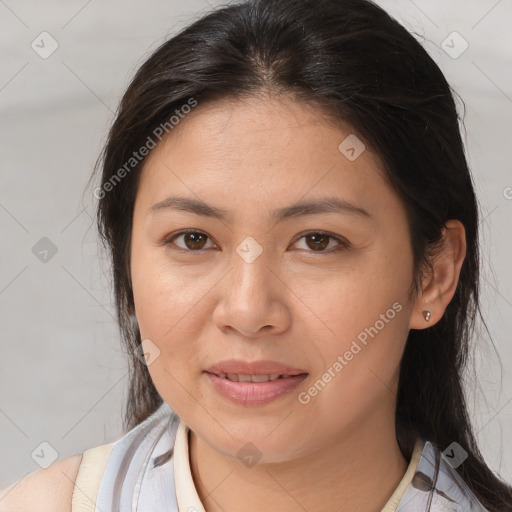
(359,471)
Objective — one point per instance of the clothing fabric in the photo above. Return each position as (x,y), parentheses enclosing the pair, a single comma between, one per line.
(148,470)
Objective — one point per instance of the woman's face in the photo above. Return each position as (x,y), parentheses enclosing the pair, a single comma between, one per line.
(323,292)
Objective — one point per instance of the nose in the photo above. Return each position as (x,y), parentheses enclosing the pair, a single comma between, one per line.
(252,300)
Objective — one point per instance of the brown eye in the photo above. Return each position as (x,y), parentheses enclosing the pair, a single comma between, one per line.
(318,242)
(192,240)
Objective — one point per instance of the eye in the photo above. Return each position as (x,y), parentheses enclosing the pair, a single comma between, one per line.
(319,240)
(194,240)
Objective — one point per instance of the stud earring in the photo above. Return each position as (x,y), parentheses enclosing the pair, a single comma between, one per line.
(426,315)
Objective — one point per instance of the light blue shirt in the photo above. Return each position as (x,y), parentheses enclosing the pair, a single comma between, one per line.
(148,470)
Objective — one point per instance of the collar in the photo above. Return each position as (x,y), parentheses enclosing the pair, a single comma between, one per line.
(186,493)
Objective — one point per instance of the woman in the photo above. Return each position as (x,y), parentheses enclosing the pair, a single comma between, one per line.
(293,232)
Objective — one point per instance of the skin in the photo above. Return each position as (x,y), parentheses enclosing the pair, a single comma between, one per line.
(292,304)
(44,490)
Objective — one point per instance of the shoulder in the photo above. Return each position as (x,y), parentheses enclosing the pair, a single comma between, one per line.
(46,490)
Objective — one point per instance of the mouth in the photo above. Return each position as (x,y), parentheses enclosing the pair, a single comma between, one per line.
(254,390)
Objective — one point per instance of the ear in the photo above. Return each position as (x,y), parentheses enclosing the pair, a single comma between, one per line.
(438,287)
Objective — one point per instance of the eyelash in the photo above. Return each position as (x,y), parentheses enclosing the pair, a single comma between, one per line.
(341,243)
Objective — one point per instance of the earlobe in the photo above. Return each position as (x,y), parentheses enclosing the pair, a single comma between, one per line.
(440,285)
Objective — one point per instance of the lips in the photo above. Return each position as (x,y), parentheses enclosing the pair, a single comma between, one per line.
(255,383)
(254,393)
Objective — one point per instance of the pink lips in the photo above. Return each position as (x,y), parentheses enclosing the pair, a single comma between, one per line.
(254,393)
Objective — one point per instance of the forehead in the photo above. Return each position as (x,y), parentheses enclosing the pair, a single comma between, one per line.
(259,150)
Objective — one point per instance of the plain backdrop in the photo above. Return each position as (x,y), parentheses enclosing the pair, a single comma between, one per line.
(63,375)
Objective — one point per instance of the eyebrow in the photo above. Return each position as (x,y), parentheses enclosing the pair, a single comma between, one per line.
(317,206)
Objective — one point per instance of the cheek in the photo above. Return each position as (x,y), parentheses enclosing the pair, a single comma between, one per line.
(365,330)
(159,293)
(169,313)
(359,359)
(363,318)
(353,298)
(167,308)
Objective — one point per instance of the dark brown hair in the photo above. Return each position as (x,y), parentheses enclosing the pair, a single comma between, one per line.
(359,65)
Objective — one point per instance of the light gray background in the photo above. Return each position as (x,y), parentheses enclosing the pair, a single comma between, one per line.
(63,376)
